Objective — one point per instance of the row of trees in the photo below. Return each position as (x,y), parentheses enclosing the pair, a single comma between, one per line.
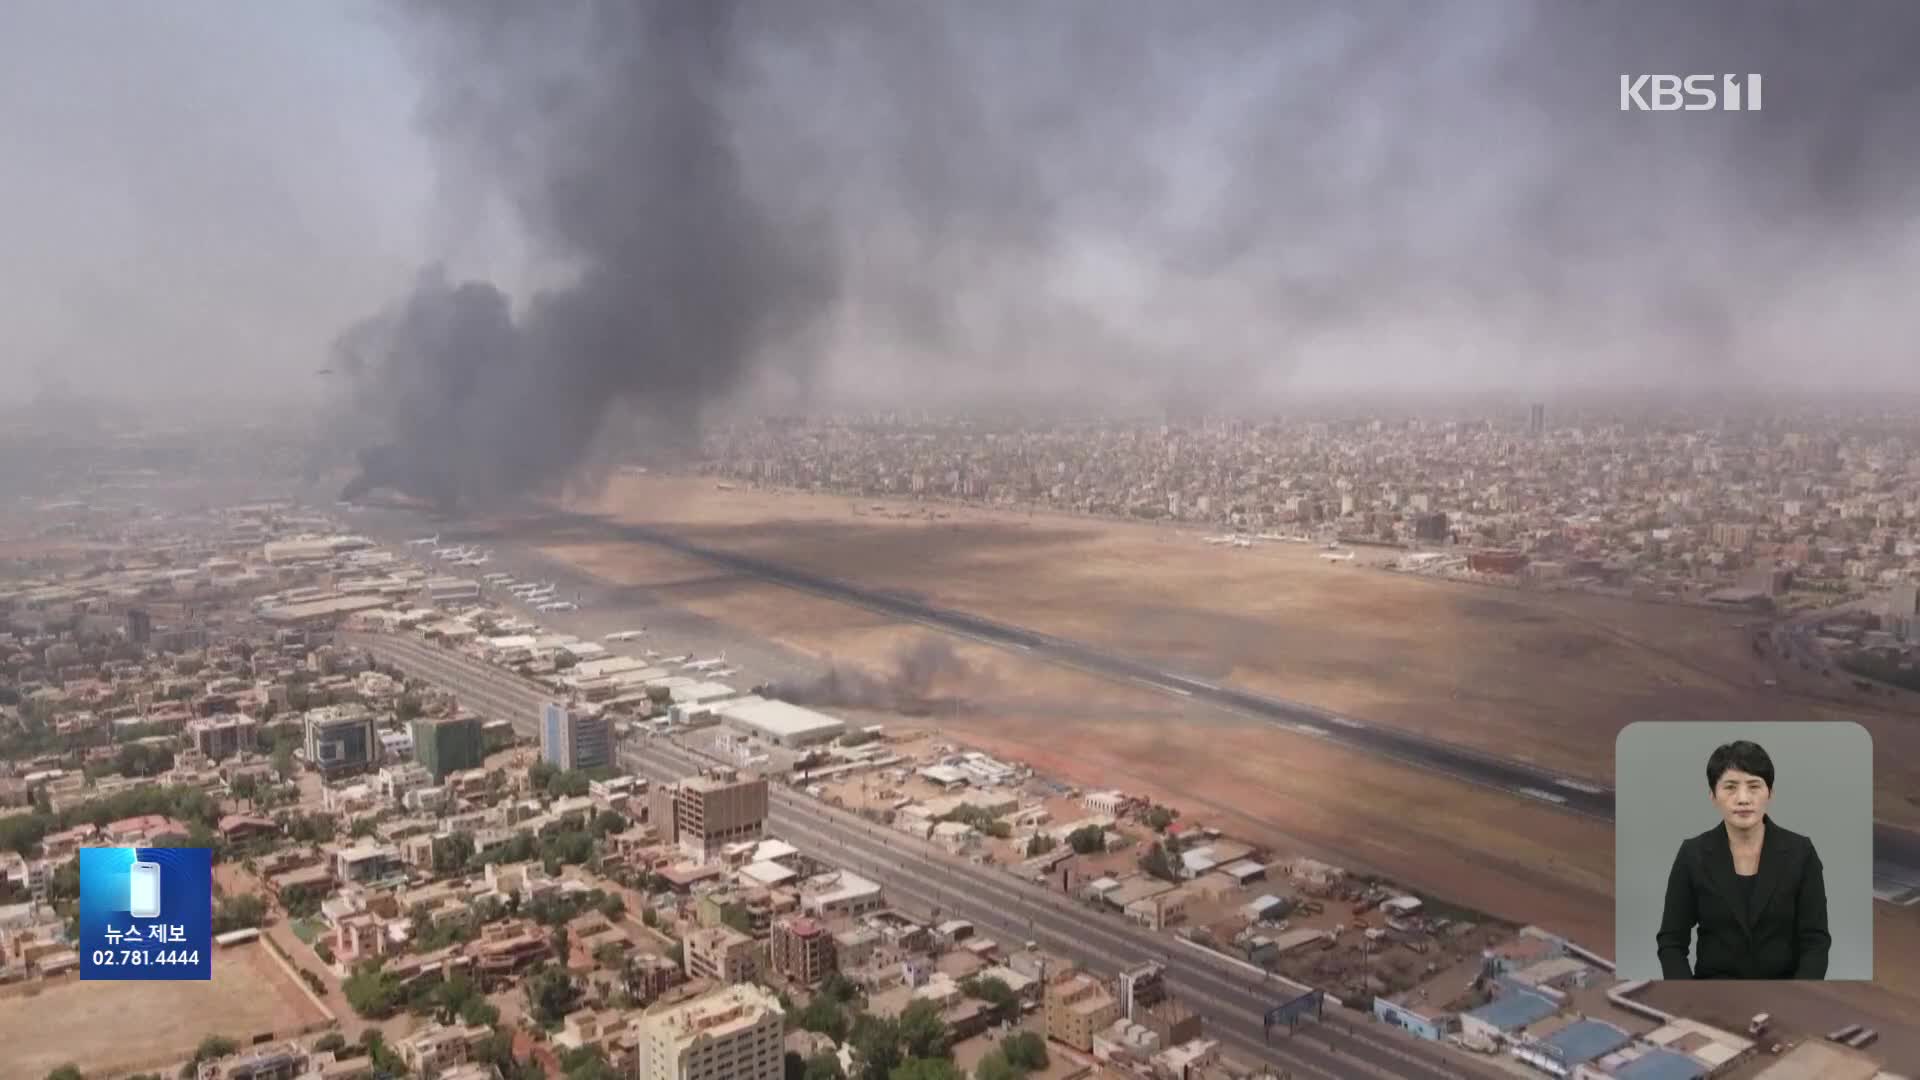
(912,1046)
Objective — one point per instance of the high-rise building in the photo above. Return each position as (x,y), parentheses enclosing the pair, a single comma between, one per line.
(1077,1005)
(1537,419)
(802,949)
(139,626)
(707,812)
(575,738)
(340,739)
(735,1033)
(224,736)
(445,744)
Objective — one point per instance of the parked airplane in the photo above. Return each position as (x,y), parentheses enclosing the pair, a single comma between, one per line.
(1242,542)
(681,659)
(1337,556)
(708,665)
(1219,540)
(497,578)
(724,672)
(425,541)
(559,605)
(481,559)
(623,635)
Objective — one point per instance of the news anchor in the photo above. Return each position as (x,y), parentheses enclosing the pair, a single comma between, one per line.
(1753,889)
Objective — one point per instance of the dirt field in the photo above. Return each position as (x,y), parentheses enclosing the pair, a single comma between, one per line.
(1550,678)
(109,1028)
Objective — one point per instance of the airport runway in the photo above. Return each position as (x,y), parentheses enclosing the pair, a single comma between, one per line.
(1896,850)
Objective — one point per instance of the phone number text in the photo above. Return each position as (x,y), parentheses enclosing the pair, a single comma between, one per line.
(144,957)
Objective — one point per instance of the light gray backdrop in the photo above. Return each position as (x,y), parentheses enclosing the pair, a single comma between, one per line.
(1823,789)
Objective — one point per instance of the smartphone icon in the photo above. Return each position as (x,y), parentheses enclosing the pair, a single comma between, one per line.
(143,890)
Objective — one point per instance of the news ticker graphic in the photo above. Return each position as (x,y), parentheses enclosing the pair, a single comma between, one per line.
(146,913)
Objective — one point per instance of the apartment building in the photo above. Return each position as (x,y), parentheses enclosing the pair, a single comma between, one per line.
(720,953)
(734,1032)
(705,813)
(221,737)
(1077,1006)
(575,738)
(802,949)
(436,1048)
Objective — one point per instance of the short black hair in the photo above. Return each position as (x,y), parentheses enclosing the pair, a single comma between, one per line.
(1746,756)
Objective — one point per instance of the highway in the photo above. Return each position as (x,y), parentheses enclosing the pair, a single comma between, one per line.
(1232,998)
(1896,850)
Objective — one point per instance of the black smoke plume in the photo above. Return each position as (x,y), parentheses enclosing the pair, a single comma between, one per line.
(925,676)
(1130,201)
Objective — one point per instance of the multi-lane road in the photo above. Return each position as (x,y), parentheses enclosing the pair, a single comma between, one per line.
(1233,998)
(1896,850)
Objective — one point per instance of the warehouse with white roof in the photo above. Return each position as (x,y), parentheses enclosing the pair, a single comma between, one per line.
(778,722)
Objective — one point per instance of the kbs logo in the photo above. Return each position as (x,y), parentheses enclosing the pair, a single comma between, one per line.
(1693,93)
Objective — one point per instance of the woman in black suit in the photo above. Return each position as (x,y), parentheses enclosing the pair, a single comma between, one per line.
(1754,889)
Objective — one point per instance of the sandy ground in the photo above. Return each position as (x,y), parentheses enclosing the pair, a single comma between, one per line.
(108,1027)
(1551,678)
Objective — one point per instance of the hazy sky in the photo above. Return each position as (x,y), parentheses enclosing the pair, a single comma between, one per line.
(1143,200)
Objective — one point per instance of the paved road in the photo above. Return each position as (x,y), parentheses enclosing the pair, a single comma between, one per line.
(1233,999)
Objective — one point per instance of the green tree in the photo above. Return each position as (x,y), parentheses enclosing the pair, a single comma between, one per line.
(239,912)
(479,1012)
(1025,1050)
(995,1066)
(65,1072)
(824,1015)
(994,992)
(823,1067)
(213,1047)
(1159,863)
(331,1043)
(1087,839)
(451,853)
(283,760)
(923,1034)
(613,906)
(552,995)
(736,917)
(1039,844)
(1159,817)
(877,1043)
(795,1067)
(838,987)
(605,822)
(373,992)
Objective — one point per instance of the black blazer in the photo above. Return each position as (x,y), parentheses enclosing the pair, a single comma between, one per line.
(1787,936)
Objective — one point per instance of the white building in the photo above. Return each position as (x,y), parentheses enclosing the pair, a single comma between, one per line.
(778,722)
(734,1033)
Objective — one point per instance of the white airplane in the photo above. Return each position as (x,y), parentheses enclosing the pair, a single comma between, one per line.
(448,552)
(523,589)
(559,605)
(1337,556)
(496,578)
(1219,540)
(481,559)
(709,664)
(724,672)
(651,654)
(1242,542)
(681,659)
(623,635)
(424,541)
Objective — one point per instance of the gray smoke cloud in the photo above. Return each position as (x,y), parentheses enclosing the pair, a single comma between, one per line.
(1133,202)
(924,675)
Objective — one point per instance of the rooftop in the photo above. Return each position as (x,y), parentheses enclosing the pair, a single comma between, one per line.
(1515,1011)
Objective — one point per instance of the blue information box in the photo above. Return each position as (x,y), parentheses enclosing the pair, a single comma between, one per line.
(146,913)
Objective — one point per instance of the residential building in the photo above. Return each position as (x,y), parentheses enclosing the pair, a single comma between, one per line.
(720,953)
(436,1048)
(802,949)
(705,813)
(366,862)
(340,739)
(1078,1005)
(1141,987)
(220,737)
(279,1061)
(733,1033)
(575,738)
(840,892)
(445,744)
(508,947)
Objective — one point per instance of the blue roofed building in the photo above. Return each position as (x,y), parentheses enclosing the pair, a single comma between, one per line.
(1660,1065)
(1576,1044)
(1505,1017)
